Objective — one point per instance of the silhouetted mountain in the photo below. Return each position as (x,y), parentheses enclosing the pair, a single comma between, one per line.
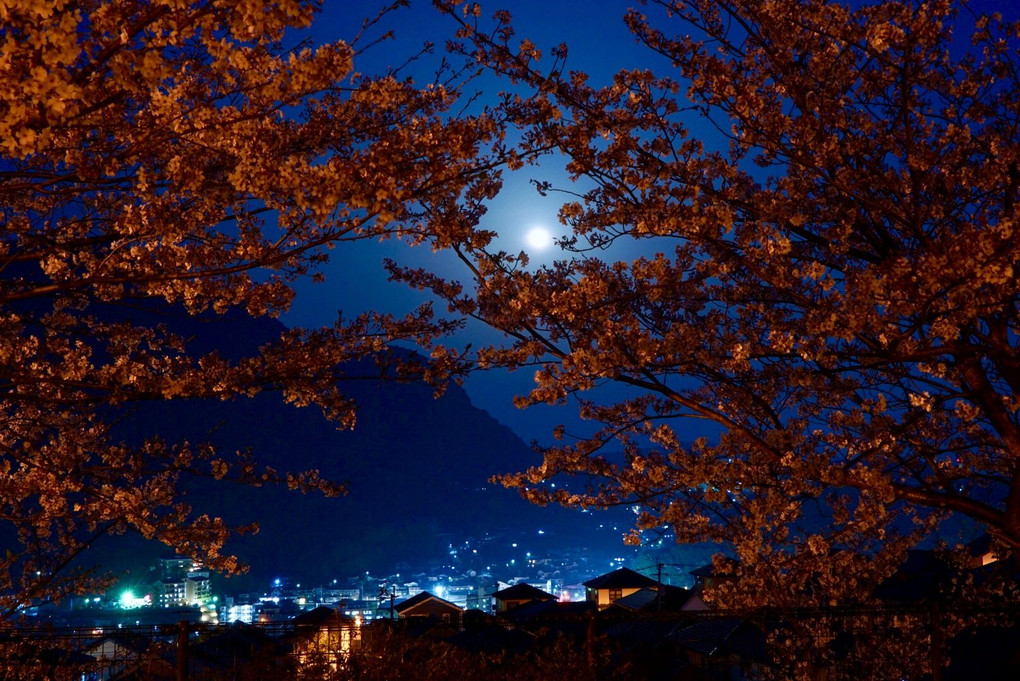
(417,468)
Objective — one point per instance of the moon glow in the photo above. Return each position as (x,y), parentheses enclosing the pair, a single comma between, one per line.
(539,238)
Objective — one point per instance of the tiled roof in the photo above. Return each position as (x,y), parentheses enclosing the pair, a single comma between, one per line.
(623,578)
(673,598)
(523,592)
(320,616)
(638,600)
(420,598)
(723,635)
(550,609)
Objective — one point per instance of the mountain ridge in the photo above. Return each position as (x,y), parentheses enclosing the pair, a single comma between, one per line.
(417,468)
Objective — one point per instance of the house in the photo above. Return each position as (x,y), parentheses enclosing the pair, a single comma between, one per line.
(324,636)
(41,659)
(982,552)
(643,645)
(487,634)
(920,578)
(712,575)
(553,615)
(517,595)
(426,605)
(238,650)
(722,647)
(605,589)
(696,602)
(663,599)
(117,652)
(706,578)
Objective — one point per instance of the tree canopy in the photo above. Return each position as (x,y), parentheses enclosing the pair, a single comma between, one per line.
(187,156)
(829,280)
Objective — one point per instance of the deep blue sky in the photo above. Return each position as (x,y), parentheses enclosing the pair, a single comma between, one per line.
(599,44)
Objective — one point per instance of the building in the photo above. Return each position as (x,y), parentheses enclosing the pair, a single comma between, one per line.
(173,566)
(238,611)
(171,593)
(324,638)
(426,605)
(662,599)
(518,594)
(605,589)
(117,653)
(184,582)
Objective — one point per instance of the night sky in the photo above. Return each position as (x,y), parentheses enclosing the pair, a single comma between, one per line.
(599,44)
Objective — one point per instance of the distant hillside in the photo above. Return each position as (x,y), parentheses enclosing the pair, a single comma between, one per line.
(417,468)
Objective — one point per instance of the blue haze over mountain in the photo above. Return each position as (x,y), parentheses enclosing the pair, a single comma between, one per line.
(417,469)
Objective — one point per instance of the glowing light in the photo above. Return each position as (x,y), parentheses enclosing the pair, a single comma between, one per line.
(128,600)
(539,238)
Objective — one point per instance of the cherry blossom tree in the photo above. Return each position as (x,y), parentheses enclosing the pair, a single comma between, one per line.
(187,155)
(826,279)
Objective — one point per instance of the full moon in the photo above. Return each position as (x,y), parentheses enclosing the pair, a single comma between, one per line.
(539,238)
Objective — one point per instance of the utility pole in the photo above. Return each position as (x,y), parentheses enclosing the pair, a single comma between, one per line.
(182,650)
(658,598)
(938,659)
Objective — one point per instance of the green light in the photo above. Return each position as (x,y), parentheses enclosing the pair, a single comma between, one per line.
(128,600)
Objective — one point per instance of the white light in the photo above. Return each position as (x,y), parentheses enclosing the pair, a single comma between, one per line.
(539,238)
